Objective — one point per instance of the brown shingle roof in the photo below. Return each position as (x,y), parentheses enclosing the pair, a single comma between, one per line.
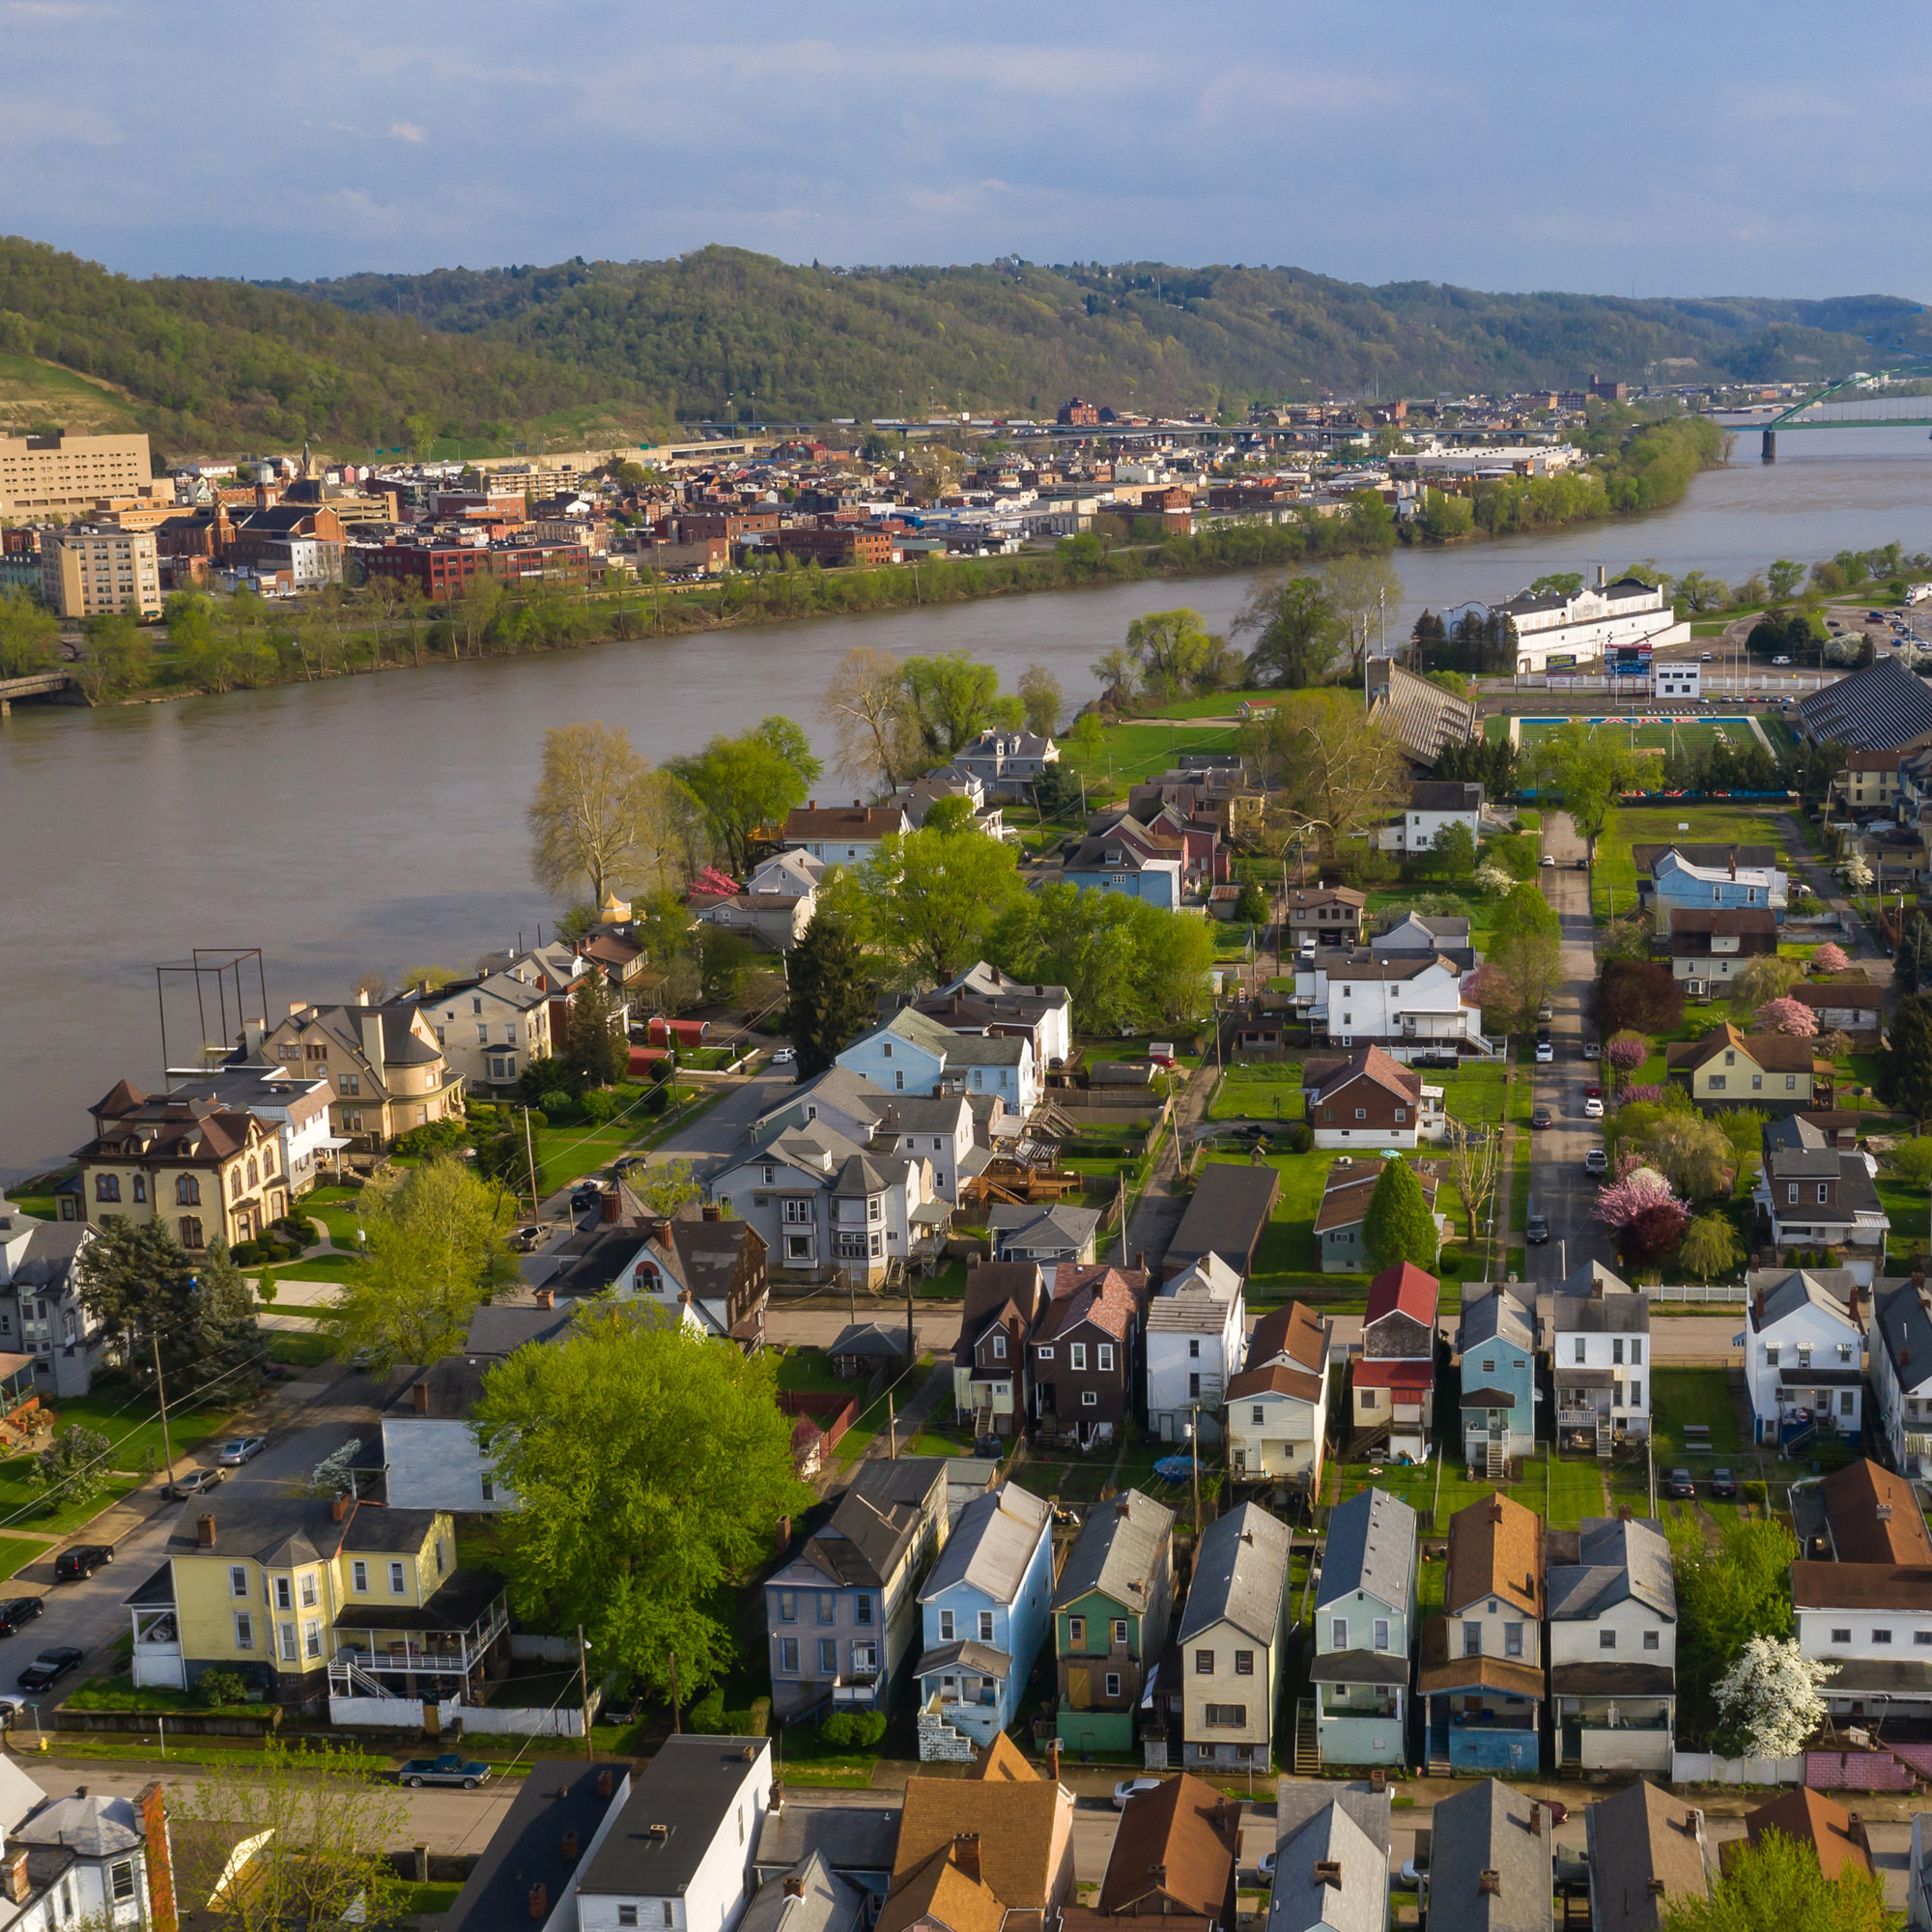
(1772,1052)
(1320,1078)
(1277,1379)
(1003,1762)
(1861,1587)
(1815,1821)
(1295,1332)
(938,1890)
(842,821)
(1735,921)
(1178,1842)
(1018,1827)
(1495,1549)
(1439,1671)
(1639,1837)
(1875,1517)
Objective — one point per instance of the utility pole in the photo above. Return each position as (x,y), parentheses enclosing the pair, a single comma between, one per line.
(583,1685)
(530,1154)
(676,1723)
(160,1389)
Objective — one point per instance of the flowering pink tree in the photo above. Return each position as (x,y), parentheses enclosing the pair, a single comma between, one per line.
(1624,1054)
(1787,1015)
(1830,958)
(1634,1193)
(1489,985)
(1650,1090)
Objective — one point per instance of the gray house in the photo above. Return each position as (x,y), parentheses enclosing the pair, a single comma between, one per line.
(1491,1865)
(1330,1873)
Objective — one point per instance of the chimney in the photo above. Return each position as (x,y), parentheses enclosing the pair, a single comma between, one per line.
(794,1888)
(1496,1509)
(812,806)
(711,1212)
(1536,1819)
(419,1394)
(1491,1882)
(1885,1512)
(1655,1888)
(567,1850)
(17,1888)
(361,996)
(203,1532)
(966,1854)
(539,1901)
(1734,867)
(1122,1508)
(546,1298)
(1157,1874)
(338,1507)
(1623,1513)
(1328,1871)
(776,1800)
(607,1782)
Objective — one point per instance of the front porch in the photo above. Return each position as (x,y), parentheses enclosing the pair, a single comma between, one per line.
(1613,1717)
(1480,1713)
(439,1650)
(964,1687)
(1361,1709)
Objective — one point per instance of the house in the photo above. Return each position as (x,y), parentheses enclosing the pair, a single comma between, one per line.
(1491,1861)
(84,1858)
(1710,944)
(49,1343)
(1082,1353)
(1226,1215)
(1234,1639)
(678,1851)
(1196,1330)
(535,1853)
(1612,1646)
(1433,806)
(1408,1002)
(1648,1857)
(1006,763)
(1809,1195)
(912,1054)
(1365,1611)
(1497,1338)
(209,1174)
(707,1270)
(1836,1835)
(381,1061)
(1804,1358)
(1395,1380)
(1278,1404)
(1600,1334)
(853,1842)
(1346,1194)
(431,1458)
(1901,1374)
(775,919)
(937,1127)
(1881,708)
(1045,1236)
(810,1897)
(296,1594)
(295,1104)
(863,1349)
(985,1608)
(991,1380)
(1127,859)
(1845,1002)
(841,1608)
(1370,1102)
(1678,883)
(1175,1857)
(1861,1592)
(1481,1674)
(1868,782)
(984,999)
(1328,1873)
(1432,934)
(1326,915)
(842,834)
(1426,717)
(1112,1609)
(490,1028)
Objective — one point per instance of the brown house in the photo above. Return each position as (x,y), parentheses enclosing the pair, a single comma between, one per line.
(1082,1355)
(1368,1101)
(991,1378)
(1710,944)
(1329,915)
(1173,1858)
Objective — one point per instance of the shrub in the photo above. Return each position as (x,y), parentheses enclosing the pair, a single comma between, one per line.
(1301,1137)
(759,1719)
(706,1716)
(245,1254)
(1450,1261)
(219,1688)
(443,1136)
(657,1099)
(556,1103)
(858,1730)
(599,1108)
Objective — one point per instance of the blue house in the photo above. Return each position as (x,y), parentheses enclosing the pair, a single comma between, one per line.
(1364,1628)
(987,1608)
(1499,1343)
(1705,878)
(1125,859)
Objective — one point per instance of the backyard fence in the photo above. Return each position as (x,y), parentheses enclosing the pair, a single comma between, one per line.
(1707,1768)
(406,1714)
(1732,1292)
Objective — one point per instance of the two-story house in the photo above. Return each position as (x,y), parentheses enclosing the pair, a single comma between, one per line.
(300,1595)
(912,1054)
(936,1127)
(1325,915)
(1175,1857)
(1846,1003)
(1612,1646)
(1777,1071)
(86,1858)
(1681,878)
(992,1381)
(1598,1345)
(1112,1609)
(708,1271)
(1394,1382)
(1127,857)
(1804,1360)
(1480,1674)
(984,997)
(1433,806)
(1342,1214)
(1710,944)
(1045,1234)
(381,1061)
(1648,1857)
(1196,1331)
(841,1608)
(985,1609)
(1278,1404)
(1328,1873)
(1427,934)
(1365,1608)
(1082,1355)
(1405,1003)
(1233,1638)
(1497,1338)
(1492,1863)
(49,1344)
(296,1105)
(1816,1195)
(1900,1363)
(1370,1102)
(1008,763)
(838,835)
(490,1028)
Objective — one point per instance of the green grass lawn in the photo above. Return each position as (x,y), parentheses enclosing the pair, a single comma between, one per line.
(301,1351)
(18,1552)
(1265,1090)
(809,1371)
(1678,1396)
(1518,1221)
(1907,1205)
(1472,1093)
(1615,880)
(320,1267)
(1132,752)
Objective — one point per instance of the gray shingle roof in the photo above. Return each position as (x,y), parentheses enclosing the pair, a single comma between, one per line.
(824,1902)
(1616,1561)
(991,1545)
(1498,1317)
(1371,1548)
(1877,709)
(1906,1327)
(1118,1551)
(1485,1829)
(1241,1575)
(1301,1900)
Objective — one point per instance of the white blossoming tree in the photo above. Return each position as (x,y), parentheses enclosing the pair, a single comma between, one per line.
(1857,873)
(1769,1697)
(1494,880)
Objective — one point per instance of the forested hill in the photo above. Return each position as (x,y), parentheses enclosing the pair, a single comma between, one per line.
(595,349)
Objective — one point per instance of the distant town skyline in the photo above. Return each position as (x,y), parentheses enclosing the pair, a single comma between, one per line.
(1619,151)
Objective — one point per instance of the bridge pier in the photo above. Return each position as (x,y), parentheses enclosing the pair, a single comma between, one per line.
(1770,445)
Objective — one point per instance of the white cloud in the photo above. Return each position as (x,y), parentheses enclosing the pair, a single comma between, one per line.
(406,130)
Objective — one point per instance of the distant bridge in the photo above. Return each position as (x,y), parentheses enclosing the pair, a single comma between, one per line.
(1807,414)
(40,684)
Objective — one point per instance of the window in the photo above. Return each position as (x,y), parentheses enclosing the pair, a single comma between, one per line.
(288,1637)
(285,1596)
(108,1188)
(1637,1395)
(1651,1641)
(788,1652)
(1401,1115)
(1113,1684)
(1846,1401)
(1044,1354)
(1104,1355)
(1824,1193)
(986,1626)
(238,1580)
(1791,1083)
(1579,1347)
(1226,1717)
(244,1630)
(1368,1398)
(188,1191)
(1204,1664)
(1757,1083)
(358,1575)
(489,1489)
(828,1607)
(862,1607)
(1244,1663)
(1381,1630)
(627,1915)
(1076,1355)
(828,1656)
(1770,1350)
(1255,1415)
(946,1630)
(1361,1113)
(1512,1639)
(312,1638)
(1338,1632)
(1120,1629)
(397,1586)
(1089,1399)
(140,1187)
(120,1881)
(1607,1640)
(1881,1636)
(668,1917)
(864,1657)
(1000,1346)
(1844,1351)
(1716,1082)
(1489,1368)
(191,1231)
(1472,1639)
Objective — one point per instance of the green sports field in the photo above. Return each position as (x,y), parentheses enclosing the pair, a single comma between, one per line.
(1689,735)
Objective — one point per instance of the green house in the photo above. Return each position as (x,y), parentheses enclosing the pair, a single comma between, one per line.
(1111,1614)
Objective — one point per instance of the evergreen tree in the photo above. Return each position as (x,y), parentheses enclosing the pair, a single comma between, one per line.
(594,1043)
(1914,958)
(831,1001)
(1905,1073)
(144,1288)
(1398,1226)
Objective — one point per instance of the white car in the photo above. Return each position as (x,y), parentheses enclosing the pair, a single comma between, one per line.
(1547,860)
(1593,1109)
(1264,1867)
(1546,1052)
(785,1056)
(1130,1787)
(1780,661)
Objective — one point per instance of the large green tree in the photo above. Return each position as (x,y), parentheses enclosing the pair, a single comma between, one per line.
(751,780)
(1298,632)
(144,1288)
(929,896)
(831,1001)
(651,1470)
(1905,1075)
(1728,1593)
(950,700)
(1776,1884)
(29,635)
(1398,1226)
(1587,770)
(594,1044)
(1170,649)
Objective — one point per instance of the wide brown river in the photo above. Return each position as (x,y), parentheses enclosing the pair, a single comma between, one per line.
(377,821)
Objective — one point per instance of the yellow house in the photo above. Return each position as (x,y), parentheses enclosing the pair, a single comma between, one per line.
(301,1596)
(388,1069)
(1727,1068)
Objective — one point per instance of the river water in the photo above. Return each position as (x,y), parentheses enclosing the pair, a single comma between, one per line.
(377,821)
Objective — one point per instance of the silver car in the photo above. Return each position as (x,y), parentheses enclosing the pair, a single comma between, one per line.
(242,1449)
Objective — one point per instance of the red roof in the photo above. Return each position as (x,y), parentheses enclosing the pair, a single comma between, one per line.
(1405,1288)
(1394,1372)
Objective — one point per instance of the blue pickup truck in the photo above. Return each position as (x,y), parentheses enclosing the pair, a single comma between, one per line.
(449,1769)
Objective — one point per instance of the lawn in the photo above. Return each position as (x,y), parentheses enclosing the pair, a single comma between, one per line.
(1266,1091)
(1472,1093)
(307,1352)
(1906,1203)
(1132,752)
(1469,903)
(1614,882)
(809,1371)
(18,1552)
(1678,1396)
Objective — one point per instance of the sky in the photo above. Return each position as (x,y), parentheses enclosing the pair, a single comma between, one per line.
(1621,148)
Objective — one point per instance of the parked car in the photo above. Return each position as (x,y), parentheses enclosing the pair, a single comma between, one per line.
(1129,1786)
(1546,1053)
(1723,1482)
(1582,864)
(1546,1012)
(49,1668)
(587,1195)
(1535,1230)
(240,1449)
(1593,1049)
(19,1611)
(1780,661)
(448,1769)
(526,1241)
(1596,1161)
(1547,860)
(1679,1484)
(1264,1867)
(1593,1108)
(76,1565)
(1541,1117)
(785,1056)
(193,1483)
(1593,1090)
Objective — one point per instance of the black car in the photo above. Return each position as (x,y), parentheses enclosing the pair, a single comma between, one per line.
(1541,1117)
(1679,1483)
(1723,1482)
(17,1610)
(49,1668)
(76,1565)
(586,1196)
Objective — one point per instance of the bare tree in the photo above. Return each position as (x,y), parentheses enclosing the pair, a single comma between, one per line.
(596,815)
(1359,588)
(371,984)
(1475,1154)
(1328,765)
(865,705)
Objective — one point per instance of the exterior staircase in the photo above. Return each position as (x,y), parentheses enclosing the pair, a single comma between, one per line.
(1436,1755)
(1497,1466)
(1307,1740)
(1605,1438)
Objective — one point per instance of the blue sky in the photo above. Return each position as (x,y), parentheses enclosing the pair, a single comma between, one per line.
(1688,149)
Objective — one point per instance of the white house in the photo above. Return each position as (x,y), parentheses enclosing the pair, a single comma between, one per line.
(1433,806)
(431,1456)
(1196,1328)
(295,1103)
(1599,1344)
(83,1857)
(1612,1645)
(1405,1003)
(912,1054)
(1007,762)
(936,1127)
(42,1312)
(840,835)
(1558,633)
(1233,1639)
(1278,1404)
(490,1028)
(1901,1374)
(984,989)
(1804,1356)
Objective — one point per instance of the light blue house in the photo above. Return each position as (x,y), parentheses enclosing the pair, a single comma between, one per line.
(1364,1630)
(1704,878)
(1499,1343)
(987,1608)
(1125,859)
(914,1053)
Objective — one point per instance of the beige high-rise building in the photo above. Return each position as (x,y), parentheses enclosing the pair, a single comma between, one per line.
(92,573)
(45,476)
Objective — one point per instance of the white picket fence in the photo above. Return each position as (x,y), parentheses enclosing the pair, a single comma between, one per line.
(406,1714)
(1721,1293)
(1707,1768)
